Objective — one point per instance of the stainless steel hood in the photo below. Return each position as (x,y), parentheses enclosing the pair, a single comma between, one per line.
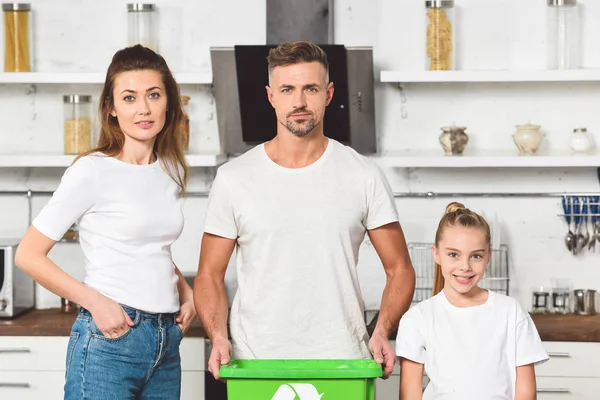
(246,118)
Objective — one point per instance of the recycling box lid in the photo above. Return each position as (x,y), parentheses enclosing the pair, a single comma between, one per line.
(301,369)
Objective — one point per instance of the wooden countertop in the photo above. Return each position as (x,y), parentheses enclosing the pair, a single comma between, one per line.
(568,328)
(561,328)
(52,322)
(552,328)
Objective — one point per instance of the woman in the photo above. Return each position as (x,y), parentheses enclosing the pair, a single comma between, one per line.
(126,198)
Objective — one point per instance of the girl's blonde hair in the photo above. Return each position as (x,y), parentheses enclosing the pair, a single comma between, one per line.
(456,215)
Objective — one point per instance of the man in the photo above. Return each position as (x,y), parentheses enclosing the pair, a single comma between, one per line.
(298,207)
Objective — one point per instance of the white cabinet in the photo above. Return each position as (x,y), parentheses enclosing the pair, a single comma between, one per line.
(33,367)
(573,371)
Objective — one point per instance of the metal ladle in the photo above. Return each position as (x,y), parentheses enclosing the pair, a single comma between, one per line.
(570,238)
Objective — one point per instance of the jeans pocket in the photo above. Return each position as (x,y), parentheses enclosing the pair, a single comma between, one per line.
(70,349)
(179,329)
(97,334)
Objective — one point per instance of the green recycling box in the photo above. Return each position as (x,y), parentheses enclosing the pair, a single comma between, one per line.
(301,379)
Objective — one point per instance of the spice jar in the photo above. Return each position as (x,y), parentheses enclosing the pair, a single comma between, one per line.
(185,124)
(439,16)
(562,34)
(141,24)
(17,37)
(78,123)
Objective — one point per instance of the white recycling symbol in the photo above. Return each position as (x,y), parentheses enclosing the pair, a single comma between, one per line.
(297,391)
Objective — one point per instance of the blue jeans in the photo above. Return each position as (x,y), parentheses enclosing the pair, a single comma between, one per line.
(144,363)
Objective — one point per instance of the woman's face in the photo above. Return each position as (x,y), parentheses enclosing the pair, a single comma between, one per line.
(140,104)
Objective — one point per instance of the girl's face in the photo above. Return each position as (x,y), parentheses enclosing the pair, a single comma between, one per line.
(463,254)
(140,104)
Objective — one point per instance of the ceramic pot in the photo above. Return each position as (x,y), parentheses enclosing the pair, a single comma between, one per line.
(453,139)
(528,138)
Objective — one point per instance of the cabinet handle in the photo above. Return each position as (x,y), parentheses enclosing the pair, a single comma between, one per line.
(16,350)
(560,355)
(557,390)
(15,385)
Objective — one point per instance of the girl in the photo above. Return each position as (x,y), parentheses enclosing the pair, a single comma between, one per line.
(126,198)
(473,344)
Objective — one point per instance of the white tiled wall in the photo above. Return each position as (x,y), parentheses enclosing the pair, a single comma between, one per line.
(495,34)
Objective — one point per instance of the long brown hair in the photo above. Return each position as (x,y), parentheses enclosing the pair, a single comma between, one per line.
(169,142)
(457,215)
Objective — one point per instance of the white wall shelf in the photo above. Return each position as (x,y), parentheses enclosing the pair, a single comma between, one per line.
(578,75)
(488,158)
(49,160)
(89,78)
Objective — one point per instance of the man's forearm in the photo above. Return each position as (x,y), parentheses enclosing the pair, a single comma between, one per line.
(211,304)
(396,299)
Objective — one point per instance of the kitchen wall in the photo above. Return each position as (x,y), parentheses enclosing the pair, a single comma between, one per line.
(495,34)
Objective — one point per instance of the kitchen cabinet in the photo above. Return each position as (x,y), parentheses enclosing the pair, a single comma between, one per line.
(573,371)
(33,367)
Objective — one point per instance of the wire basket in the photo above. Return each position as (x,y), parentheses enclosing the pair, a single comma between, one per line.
(495,279)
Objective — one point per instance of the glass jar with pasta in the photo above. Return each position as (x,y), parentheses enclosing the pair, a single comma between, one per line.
(17,37)
(439,43)
(77,123)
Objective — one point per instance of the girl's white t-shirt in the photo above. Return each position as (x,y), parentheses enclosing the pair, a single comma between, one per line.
(128,216)
(470,353)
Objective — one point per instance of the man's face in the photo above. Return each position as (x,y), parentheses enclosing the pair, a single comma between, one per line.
(299,94)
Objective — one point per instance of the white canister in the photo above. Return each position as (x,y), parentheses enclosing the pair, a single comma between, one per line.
(581,141)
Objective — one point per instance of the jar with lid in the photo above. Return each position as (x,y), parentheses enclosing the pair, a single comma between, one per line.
(185,124)
(77,123)
(17,37)
(439,23)
(581,141)
(141,25)
(562,39)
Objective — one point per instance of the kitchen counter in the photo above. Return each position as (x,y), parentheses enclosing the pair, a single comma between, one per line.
(554,328)
(568,328)
(52,322)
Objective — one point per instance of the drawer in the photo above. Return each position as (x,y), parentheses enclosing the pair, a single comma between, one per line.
(31,385)
(192,385)
(567,388)
(33,353)
(571,359)
(193,354)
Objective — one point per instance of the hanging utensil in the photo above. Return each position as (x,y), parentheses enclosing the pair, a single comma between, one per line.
(593,201)
(584,218)
(570,238)
(577,206)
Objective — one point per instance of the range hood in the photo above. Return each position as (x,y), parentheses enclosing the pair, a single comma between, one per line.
(246,118)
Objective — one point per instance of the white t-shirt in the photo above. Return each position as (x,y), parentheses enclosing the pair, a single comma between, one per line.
(470,353)
(298,234)
(128,217)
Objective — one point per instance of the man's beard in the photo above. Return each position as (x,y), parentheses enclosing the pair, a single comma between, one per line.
(300,127)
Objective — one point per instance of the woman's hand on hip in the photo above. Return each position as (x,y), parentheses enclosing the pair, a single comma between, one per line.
(186,315)
(110,318)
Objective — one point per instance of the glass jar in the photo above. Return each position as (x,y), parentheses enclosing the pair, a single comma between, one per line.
(439,15)
(185,124)
(141,24)
(77,123)
(562,34)
(17,37)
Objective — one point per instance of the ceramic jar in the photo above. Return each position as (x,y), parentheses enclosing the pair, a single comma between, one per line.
(528,138)
(453,139)
(581,141)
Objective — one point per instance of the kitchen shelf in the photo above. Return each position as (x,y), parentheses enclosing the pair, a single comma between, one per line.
(186,78)
(488,158)
(576,75)
(45,160)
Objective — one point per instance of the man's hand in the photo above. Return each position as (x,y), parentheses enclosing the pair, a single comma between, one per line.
(383,353)
(219,355)
(186,315)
